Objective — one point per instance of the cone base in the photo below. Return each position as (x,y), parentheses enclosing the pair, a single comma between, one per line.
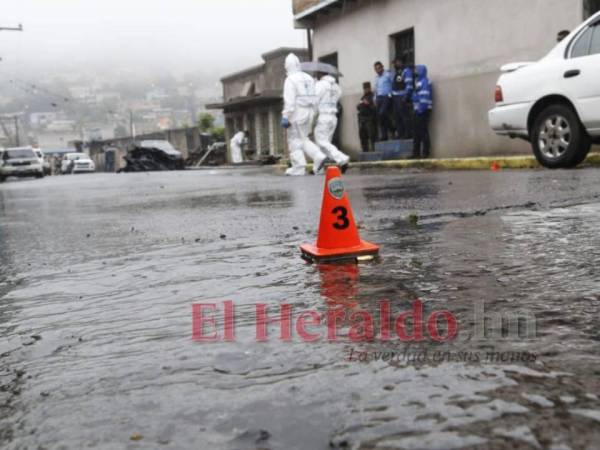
(312,253)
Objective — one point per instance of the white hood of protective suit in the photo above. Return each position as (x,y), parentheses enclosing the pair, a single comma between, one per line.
(292,64)
(328,79)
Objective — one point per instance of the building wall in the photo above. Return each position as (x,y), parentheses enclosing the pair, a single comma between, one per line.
(275,70)
(463,43)
(234,87)
(268,77)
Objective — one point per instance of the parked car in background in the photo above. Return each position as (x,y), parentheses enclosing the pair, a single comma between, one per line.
(20,162)
(73,163)
(45,164)
(554,103)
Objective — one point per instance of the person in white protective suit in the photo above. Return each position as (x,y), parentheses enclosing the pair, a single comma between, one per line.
(329,94)
(300,102)
(237,143)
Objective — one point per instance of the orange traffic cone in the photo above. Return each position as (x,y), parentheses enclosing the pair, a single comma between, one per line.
(338,236)
(495,167)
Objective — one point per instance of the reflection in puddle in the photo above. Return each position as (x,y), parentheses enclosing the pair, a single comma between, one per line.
(339,284)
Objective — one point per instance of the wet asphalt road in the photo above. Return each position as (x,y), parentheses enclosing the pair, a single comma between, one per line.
(98,274)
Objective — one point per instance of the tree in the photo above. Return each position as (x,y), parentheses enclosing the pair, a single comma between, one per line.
(218,134)
(206,121)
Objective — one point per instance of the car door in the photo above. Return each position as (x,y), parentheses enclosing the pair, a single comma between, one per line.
(581,77)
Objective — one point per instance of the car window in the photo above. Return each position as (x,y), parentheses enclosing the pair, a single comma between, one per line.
(595,46)
(581,47)
(22,153)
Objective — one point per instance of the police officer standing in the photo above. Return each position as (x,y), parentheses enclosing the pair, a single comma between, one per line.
(383,99)
(367,119)
(423,105)
(402,96)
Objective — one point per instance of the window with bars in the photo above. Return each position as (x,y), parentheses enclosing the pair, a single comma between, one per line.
(403,46)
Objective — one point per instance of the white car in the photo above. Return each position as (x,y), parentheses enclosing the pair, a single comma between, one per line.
(554,103)
(20,162)
(77,163)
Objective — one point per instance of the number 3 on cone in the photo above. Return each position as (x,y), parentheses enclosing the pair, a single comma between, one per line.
(342,216)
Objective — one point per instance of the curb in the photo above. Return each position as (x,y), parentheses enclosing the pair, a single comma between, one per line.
(476,163)
(484,163)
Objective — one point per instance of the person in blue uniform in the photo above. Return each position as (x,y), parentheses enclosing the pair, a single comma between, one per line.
(402,96)
(383,99)
(423,105)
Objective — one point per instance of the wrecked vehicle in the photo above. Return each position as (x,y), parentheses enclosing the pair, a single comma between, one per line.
(147,156)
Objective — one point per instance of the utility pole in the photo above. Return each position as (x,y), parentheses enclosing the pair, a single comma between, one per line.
(14,139)
(131,126)
(17,137)
(5,129)
(19,28)
(15,118)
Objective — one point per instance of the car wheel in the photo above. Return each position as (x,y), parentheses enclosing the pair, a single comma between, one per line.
(558,138)
(582,154)
(2,179)
(40,175)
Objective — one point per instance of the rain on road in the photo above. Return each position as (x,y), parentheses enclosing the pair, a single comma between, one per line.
(98,274)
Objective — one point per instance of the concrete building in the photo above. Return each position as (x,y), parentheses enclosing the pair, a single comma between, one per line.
(463,43)
(253,101)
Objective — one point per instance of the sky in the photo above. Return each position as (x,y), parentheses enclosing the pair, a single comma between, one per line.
(175,36)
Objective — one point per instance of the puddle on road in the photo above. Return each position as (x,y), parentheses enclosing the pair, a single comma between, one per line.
(97,332)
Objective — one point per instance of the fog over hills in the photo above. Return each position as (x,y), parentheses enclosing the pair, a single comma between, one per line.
(87,69)
(141,40)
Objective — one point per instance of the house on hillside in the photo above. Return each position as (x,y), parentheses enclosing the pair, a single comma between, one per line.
(463,43)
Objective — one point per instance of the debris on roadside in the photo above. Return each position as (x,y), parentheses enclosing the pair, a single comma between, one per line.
(150,156)
(413,219)
(136,437)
